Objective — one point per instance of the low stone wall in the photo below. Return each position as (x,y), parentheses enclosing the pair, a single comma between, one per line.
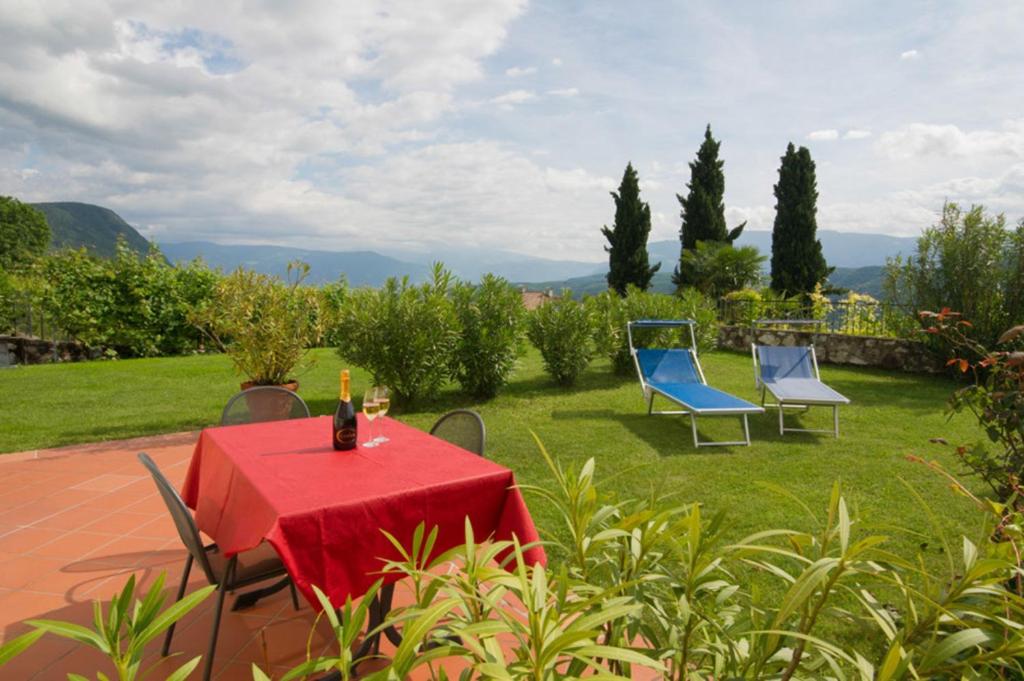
(835,348)
(23,350)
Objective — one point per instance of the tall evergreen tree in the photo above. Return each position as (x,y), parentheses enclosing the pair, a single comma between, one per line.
(703,208)
(798,264)
(627,239)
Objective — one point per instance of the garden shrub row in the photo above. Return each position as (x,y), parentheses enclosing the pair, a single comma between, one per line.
(411,337)
(414,337)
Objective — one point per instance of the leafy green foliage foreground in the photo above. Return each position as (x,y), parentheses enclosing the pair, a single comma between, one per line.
(655,585)
(645,583)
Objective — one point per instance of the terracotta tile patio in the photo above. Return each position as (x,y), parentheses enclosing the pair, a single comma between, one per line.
(75,522)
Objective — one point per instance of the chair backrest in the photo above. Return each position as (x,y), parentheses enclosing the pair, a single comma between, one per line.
(462,427)
(668,366)
(182,517)
(263,403)
(785,362)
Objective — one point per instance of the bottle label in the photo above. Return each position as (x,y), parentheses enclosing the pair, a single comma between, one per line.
(346,436)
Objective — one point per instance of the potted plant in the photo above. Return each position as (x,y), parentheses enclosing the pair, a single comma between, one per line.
(264,324)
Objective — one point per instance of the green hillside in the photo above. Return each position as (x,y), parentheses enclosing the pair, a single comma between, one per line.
(74,225)
(860,279)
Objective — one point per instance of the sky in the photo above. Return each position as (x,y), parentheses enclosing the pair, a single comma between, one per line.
(502,124)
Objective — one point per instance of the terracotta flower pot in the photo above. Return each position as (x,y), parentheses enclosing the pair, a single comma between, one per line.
(270,406)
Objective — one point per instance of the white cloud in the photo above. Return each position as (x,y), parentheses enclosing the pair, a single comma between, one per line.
(486,191)
(823,135)
(756,217)
(909,55)
(516,71)
(920,140)
(333,126)
(513,97)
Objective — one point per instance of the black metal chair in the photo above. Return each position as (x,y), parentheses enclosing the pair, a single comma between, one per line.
(227,574)
(263,403)
(462,427)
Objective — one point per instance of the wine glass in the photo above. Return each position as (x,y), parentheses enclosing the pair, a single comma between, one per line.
(370,410)
(383,399)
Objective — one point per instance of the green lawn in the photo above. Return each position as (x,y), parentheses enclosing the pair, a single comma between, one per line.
(892,415)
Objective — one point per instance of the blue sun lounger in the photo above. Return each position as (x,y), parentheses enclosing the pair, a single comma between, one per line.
(790,375)
(676,375)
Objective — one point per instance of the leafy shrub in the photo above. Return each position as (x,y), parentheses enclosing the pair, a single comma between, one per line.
(24,233)
(403,334)
(333,299)
(701,309)
(863,315)
(123,633)
(491,320)
(717,268)
(819,306)
(136,306)
(995,398)
(8,299)
(79,295)
(610,313)
(264,324)
(970,262)
(744,307)
(560,329)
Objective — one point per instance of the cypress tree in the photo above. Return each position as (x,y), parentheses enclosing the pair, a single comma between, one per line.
(703,208)
(627,239)
(798,264)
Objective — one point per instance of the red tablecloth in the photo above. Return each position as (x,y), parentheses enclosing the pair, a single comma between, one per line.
(323,510)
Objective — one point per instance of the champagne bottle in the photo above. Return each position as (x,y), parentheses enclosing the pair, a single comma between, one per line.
(345,418)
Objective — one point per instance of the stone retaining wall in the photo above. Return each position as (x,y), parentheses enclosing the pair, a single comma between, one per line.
(23,350)
(836,348)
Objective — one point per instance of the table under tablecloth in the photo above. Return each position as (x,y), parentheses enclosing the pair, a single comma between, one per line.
(323,510)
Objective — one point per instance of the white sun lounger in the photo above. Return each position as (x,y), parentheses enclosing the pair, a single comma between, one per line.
(790,375)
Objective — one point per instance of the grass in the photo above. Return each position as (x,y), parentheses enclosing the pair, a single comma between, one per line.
(892,415)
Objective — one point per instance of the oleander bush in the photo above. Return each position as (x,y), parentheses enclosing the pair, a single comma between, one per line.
(561,330)
(403,334)
(492,328)
(609,314)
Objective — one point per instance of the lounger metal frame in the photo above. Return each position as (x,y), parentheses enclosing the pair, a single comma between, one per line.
(649,391)
(801,405)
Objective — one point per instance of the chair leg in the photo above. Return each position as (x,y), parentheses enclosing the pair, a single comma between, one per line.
(782,430)
(222,590)
(181,593)
(295,594)
(693,427)
(835,419)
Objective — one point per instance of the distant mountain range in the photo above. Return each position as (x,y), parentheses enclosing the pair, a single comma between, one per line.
(858,257)
(860,279)
(841,249)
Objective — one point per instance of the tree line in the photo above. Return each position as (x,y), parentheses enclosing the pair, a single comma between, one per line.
(708,260)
